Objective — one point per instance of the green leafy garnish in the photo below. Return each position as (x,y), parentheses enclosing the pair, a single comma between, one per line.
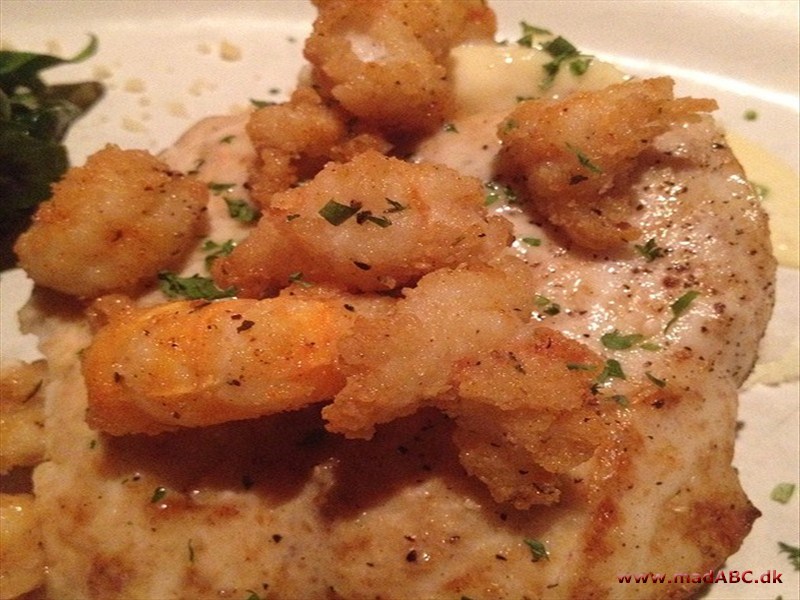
(538,550)
(337,213)
(219,188)
(611,370)
(584,160)
(529,32)
(750,115)
(546,305)
(497,192)
(299,279)
(195,287)
(532,241)
(650,250)
(614,340)
(215,250)
(394,206)
(34,119)
(241,210)
(158,494)
(680,306)
(782,492)
(793,552)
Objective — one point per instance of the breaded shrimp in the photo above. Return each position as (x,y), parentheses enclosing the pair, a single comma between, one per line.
(197,363)
(374,223)
(294,140)
(574,157)
(385,60)
(526,413)
(399,362)
(112,224)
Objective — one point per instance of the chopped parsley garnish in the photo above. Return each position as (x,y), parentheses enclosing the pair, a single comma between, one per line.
(611,370)
(450,128)
(614,340)
(227,139)
(337,213)
(621,399)
(750,115)
(529,32)
(532,241)
(546,305)
(261,103)
(298,278)
(782,492)
(655,380)
(241,210)
(680,306)
(497,192)
(34,118)
(219,188)
(191,550)
(793,552)
(195,287)
(215,250)
(538,550)
(580,367)
(158,494)
(584,160)
(252,595)
(650,250)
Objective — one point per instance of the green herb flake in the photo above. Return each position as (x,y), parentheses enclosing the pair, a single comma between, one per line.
(298,278)
(750,115)
(261,103)
(650,250)
(529,32)
(532,241)
(584,160)
(497,192)
(614,340)
(538,550)
(158,494)
(611,370)
(546,305)
(680,306)
(394,206)
(793,552)
(655,380)
(782,492)
(580,367)
(214,250)
(190,548)
(227,139)
(194,287)
(252,595)
(621,399)
(337,213)
(220,188)
(242,210)
(366,216)
(450,128)
(761,190)
(579,66)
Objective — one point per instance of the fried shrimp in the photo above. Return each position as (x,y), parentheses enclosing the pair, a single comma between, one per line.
(112,224)
(197,363)
(294,140)
(385,60)
(372,224)
(399,362)
(575,157)
(526,413)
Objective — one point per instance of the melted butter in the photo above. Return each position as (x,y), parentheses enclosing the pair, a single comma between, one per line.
(781,199)
(491,78)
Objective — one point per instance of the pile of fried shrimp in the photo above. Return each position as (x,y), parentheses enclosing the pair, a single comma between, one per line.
(370,285)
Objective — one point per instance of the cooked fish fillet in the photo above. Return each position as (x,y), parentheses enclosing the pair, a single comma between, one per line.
(280,508)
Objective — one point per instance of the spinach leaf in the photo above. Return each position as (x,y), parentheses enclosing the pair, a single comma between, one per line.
(34,118)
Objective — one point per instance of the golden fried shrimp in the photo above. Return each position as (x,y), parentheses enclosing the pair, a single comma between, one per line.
(575,157)
(22,415)
(374,223)
(399,362)
(526,413)
(294,140)
(385,60)
(197,363)
(22,557)
(112,224)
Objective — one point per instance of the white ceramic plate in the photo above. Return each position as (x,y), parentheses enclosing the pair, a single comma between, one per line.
(164,67)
